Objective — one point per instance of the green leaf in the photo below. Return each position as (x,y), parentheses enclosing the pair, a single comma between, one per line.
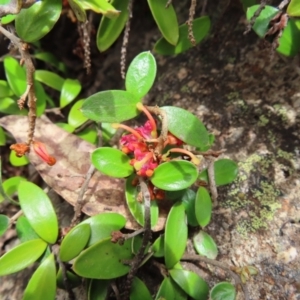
(201,28)
(158,247)
(113,106)
(2,139)
(66,127)
(111,162)
(76,118)
(74,242)
(110,29)
(15,76)
(101,7)
(24,230)
(88,134)
(73,279)
(166,20)
(223,291)
(293,9)
(174,175)
(90,263)
(170,290)
(78,10)
(139,290)
(5,91)
(10,106)
(186,127)
(21,256)
(191,283)
(226,171)
(141,74)
(39,211)
(52,60)
(50,79)
(98,289)
(107,132)
(103,225)
(203,206)
(175,235)
(18,161)
(136,207)
(7,19)
(188,200)
(70,90)
(36,21)
(42,284)
(4,223)
(205,245)
(41,98)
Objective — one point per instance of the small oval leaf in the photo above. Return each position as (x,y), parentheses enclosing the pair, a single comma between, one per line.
(175,235)
(113,106)
(5,91)
(111,162)
(203,206)
(21,256)
(18,161)
(78,10)
(223,291)
(42,284)
(73,279)
(201,28)
(24,230)
(141,74)
(36,21)
(103,260)
(4,222)
(158,247)
(74,242)
(98,289)
(70,90)
(174,175)
(139,290)
(205,245)
(293,9)
(75,117)
(39,211)
(50,79)
(188,200)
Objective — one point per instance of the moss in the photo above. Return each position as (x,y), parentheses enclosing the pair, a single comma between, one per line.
(281,111)
(233,96)
(185,89)
(263,121)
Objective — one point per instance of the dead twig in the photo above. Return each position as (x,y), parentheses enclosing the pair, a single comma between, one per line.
(223,266)
(190,22)
(212,181)
(14,6)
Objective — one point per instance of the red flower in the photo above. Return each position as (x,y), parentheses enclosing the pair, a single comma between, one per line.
(40,149)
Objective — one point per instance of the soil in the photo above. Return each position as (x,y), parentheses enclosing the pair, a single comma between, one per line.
(249,98)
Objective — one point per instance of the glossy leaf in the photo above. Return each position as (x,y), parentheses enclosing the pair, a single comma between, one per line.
(110,29)
(139,290)
(24,230)
(4,222)
(113,106)
(74,242)
(166,20)
(174,175)
(18,161)
(73,279)
(103,225)
(187,127)
(75,117)
(170,290)
(201,28)
(158,247)
(21,256)
(141,74)
(293,9)
(188,200)
(136,207)
(223,291)
(11,184)
(15,75)
(42,284)
(66,127)
(5,91)
(175,235)
(107,132)
(52,60)
(88,134)
(50,79)
(40,98)
(98,289)
(101,7)
(226,171)
(2,140)
(191,283)
(36,21)
(7,19)
(70,90)
(39,211)
(10,106)
(111,162)
(203,206)
(205,245)
(289,42)
(78,10)
(91,263)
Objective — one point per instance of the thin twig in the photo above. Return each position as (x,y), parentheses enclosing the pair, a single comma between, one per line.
(223,266)
(125,40)
(135,263)
(15,217)
(203,9)
(212,181)
(133,234)
(283,4)
(14,7)
(190,22)
(116,290)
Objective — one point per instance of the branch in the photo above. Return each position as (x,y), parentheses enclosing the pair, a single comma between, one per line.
(14,6)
